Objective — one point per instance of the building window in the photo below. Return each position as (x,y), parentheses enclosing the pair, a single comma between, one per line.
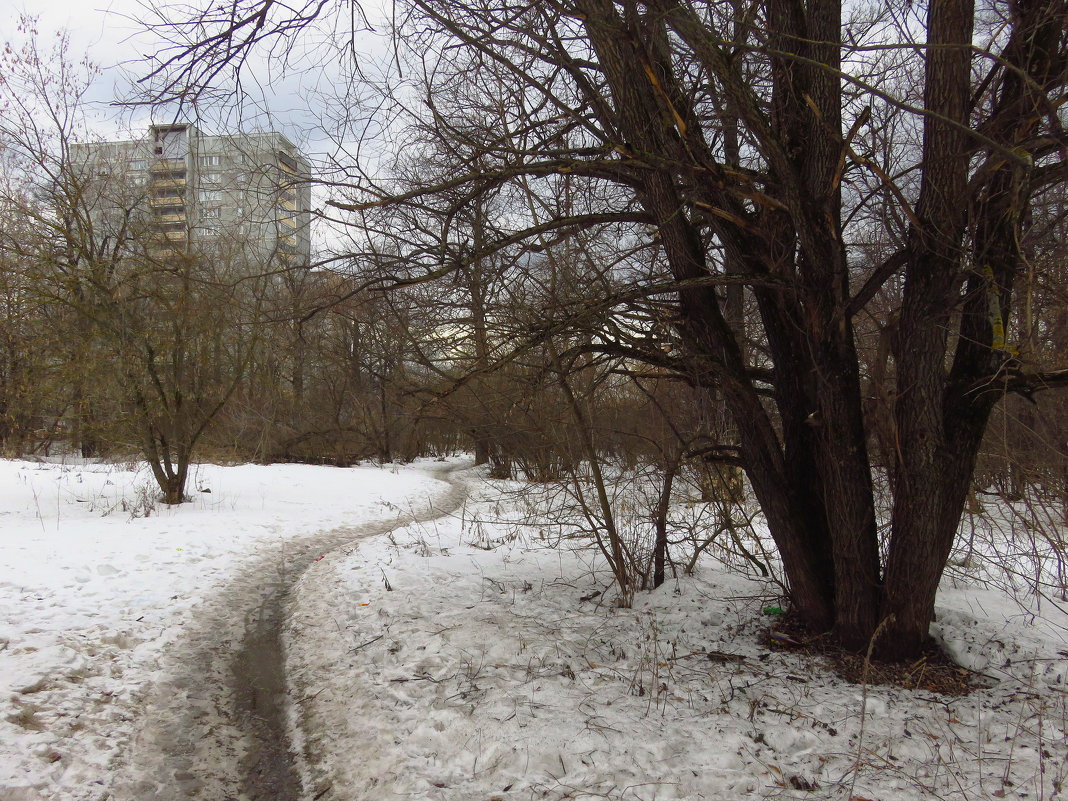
(210,161)
(287,162)
(213,213)
(210,195)
(211,177)
(139,165)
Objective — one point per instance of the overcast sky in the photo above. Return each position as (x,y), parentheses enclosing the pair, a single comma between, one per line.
(112,33)
(292,97)
(99,28)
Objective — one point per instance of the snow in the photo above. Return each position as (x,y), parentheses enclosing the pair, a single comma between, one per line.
(93,593)
(486,670)
(462,657)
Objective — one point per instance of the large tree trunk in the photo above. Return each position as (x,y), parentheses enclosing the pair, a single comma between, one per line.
(734,144)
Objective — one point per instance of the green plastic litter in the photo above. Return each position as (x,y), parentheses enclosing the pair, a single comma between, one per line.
(774,610)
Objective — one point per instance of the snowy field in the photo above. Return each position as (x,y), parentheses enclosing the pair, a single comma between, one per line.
(465,659)
(93,593)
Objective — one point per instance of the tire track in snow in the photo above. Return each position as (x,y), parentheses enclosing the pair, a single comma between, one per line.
(213,725)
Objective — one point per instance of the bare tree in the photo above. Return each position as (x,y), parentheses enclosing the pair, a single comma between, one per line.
(763,144)
(149,312)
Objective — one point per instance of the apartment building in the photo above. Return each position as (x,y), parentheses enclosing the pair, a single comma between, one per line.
(195,192)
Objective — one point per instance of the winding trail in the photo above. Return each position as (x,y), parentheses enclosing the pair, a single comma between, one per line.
(213,726)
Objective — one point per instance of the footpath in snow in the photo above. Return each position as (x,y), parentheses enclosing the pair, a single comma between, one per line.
(120,618)
(468,658)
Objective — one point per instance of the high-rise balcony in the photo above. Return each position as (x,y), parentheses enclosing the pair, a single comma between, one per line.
(167,165)
(175,198)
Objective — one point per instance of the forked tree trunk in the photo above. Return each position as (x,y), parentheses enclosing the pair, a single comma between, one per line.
(174,490)
(169,468)
(812,474)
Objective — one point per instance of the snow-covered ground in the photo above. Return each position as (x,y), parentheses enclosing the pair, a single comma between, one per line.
(94,594)
(465,659)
